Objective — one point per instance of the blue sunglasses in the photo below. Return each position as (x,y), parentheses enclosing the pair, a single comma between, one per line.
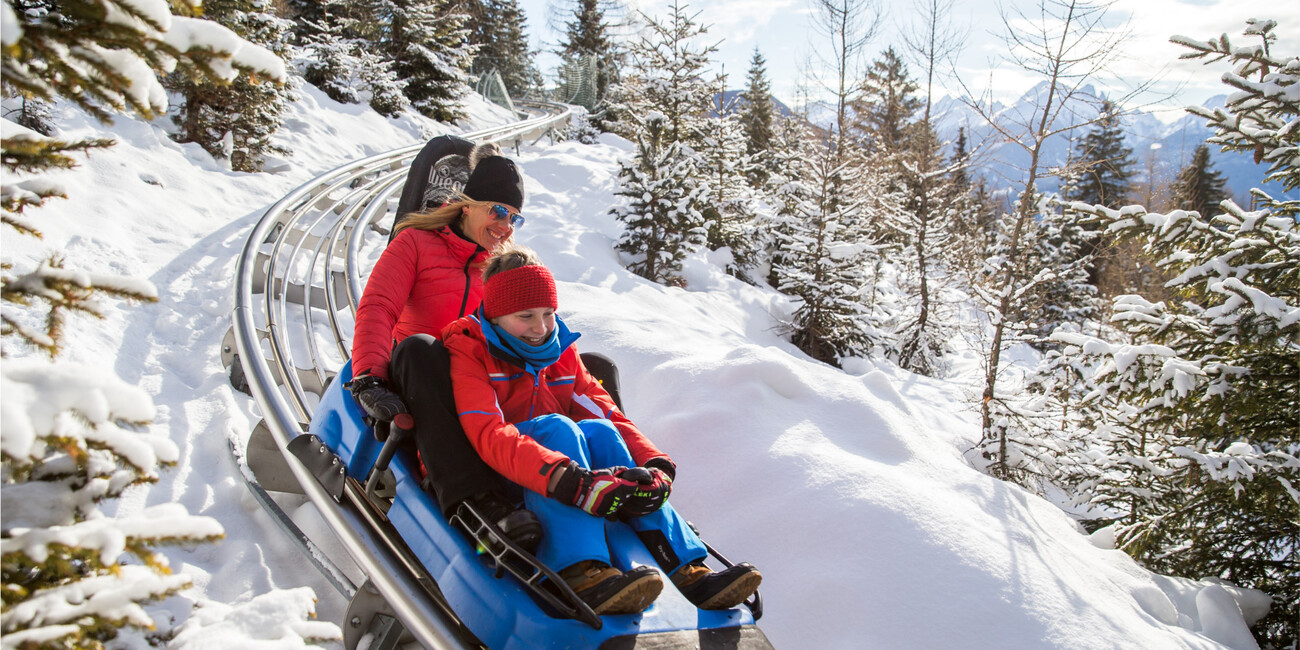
(500,213)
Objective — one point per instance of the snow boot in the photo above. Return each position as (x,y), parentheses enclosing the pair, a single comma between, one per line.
(610,591)
(520,526)
(717,590)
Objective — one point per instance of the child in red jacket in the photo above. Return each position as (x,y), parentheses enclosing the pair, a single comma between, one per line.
(537,416)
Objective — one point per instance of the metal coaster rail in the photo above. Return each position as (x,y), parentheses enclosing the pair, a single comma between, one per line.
(304,252)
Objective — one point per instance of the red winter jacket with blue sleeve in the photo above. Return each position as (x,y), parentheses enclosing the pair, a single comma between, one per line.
(424,280)
(493,394)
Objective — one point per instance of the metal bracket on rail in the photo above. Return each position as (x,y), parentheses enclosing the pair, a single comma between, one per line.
(369,615)
(316,456)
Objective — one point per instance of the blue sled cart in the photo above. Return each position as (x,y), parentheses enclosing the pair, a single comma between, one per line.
(497,595)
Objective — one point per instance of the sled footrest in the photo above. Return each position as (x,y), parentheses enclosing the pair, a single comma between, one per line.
(530,571)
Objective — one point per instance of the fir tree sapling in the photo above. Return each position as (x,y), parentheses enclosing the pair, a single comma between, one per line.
(663,224)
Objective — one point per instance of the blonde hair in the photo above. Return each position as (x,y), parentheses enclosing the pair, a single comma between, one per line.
(435,218)
(509,257)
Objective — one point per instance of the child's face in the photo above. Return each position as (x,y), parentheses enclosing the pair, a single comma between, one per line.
(532,326)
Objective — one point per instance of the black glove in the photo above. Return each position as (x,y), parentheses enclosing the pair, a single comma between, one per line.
(379,402)
(600,493)
(650,494)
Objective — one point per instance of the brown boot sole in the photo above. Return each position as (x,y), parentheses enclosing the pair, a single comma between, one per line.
(633,598)
(735,593)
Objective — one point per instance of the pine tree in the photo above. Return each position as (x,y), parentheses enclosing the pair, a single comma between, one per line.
(1106,162)
(886,107)
(1199,187)
(587,42)
(662,221)
(235,122)
(1223,392)
(823,260)
(336,56)
(1103,169)
(428,45)
(758,113)
(67,444)
(499,30)
(731,208)
(667,74)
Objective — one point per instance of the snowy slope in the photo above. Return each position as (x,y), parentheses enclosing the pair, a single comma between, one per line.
(848,489)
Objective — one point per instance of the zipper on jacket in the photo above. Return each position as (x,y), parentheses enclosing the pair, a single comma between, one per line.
(532,406)
(465,297)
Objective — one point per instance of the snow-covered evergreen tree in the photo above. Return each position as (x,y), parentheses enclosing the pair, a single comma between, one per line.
(786,186)
(730,207)
(666,74)
(758,117)
(824,259)
(1219,389)
(428,45)
(663,223)
(68,441)
(235,122)
(333,56)
(1199,186)
(886,106)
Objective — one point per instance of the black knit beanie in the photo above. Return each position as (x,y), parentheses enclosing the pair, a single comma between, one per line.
(496,179)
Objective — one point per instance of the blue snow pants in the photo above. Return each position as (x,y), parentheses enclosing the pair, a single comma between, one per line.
(571,535)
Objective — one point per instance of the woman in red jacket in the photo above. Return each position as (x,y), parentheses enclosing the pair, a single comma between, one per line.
(534,413)
(429,276)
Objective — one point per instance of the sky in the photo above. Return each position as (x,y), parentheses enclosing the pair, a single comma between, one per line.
(783,32)
(850,489)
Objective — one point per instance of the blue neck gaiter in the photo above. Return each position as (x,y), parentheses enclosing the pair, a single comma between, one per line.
(534,357)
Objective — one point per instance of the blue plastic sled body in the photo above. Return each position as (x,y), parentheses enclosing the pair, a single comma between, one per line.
(499,610)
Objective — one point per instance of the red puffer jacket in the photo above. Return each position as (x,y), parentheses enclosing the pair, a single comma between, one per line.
(424,280)
(492,395)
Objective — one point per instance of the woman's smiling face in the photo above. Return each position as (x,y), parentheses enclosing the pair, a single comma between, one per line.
(483,228)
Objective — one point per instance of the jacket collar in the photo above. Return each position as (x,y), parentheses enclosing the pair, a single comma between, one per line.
(496,349)
(459,247)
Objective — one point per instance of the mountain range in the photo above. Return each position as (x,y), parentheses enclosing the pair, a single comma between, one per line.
(1160,149)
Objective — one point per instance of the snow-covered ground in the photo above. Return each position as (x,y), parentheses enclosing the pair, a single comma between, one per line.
(848,489)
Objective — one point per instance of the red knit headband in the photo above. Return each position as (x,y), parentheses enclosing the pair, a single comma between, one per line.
(520,289)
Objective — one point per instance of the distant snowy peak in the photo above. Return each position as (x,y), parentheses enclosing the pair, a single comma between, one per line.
(1160,147)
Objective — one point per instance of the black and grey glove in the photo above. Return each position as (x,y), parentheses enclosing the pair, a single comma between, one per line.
(650,495)
(379,402)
